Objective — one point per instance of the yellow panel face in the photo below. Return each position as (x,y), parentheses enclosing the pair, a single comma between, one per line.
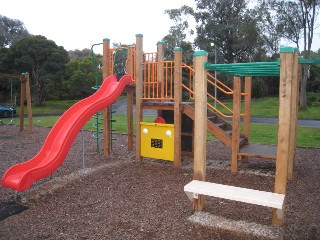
(157,140)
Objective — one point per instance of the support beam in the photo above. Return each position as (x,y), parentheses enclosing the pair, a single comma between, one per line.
(106,71)
(235,124)
(288,66)
(200,123)
(139,92)
(294,115)
(177,105)
(247,106)
(160,46)
(130,98)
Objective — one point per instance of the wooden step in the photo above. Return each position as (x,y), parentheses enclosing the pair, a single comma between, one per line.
(259,150)
(220,125)
(246,195)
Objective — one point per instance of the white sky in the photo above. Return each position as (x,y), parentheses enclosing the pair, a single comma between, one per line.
(80,24)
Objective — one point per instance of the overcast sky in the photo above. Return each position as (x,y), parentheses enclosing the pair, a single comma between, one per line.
(80,24)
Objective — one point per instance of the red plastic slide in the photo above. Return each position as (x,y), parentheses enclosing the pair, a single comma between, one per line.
(56,147)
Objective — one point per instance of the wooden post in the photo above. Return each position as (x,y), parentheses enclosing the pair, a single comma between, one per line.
(294,115)
(28,96)
(177,105)
(139,92)
(130,99)
(106,112)
(200,123)
(23,81)
(287,69)
(235,124)
(160,46)
(247,106)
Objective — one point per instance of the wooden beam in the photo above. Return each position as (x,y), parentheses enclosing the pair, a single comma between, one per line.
(235,124)
(247,106)
(130,99)
(106,71)
(29,107)
(139,92)
(7,75)
(294,115)
(177,105)
(200,123)
(287,68)
(23,81)
(160,69)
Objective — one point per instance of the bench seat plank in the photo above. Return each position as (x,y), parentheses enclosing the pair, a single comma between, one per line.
(268,199)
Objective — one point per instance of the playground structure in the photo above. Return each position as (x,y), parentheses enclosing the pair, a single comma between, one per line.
(159,85)
(24,95)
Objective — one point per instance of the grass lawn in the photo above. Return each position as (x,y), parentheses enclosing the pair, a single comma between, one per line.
(269,107)
(260,133)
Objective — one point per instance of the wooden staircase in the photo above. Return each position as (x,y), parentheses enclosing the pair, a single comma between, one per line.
(217,125)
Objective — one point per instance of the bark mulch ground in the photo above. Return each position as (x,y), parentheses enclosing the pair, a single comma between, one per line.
(120,198)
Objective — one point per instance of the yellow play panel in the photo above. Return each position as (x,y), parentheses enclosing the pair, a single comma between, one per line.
(157,140)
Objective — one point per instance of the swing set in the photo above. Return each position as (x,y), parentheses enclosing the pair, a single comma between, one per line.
(24,95)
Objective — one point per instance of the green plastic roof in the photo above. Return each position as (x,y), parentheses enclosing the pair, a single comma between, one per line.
(247,69)
(254,69)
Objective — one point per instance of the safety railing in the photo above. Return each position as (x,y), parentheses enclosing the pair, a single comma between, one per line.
(157,78)
(126,61)
(188,86)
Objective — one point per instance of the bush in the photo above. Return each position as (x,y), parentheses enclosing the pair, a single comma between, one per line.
(313,98)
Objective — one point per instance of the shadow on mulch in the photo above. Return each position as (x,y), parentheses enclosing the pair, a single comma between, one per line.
(8,209)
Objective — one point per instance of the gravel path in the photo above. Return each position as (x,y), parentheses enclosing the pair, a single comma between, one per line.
(120,198)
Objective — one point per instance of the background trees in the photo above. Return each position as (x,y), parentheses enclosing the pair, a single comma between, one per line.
(11,30)
(243,31)
(44,61)
(240,30)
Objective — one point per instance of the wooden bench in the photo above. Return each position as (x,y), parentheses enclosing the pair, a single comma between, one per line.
(268,199)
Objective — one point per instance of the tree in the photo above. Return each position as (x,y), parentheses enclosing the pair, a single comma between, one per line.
(11,31)
(80,78)
(43,59)
(296,20)
(230,25)
(78,54)
(178,33)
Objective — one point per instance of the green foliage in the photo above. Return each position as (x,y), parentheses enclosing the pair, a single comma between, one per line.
(45,62)
(230,25)
(11,30)
(79,79)
(313,98)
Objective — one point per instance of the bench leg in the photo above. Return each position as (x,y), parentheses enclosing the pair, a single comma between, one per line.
(278,216)
(198,204)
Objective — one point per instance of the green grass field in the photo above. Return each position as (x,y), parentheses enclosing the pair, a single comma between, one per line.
(260,133)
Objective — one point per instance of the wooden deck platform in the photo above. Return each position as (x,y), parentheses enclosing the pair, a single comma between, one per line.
(259,150)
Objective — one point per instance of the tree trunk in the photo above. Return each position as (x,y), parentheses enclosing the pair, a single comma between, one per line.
(303,87)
